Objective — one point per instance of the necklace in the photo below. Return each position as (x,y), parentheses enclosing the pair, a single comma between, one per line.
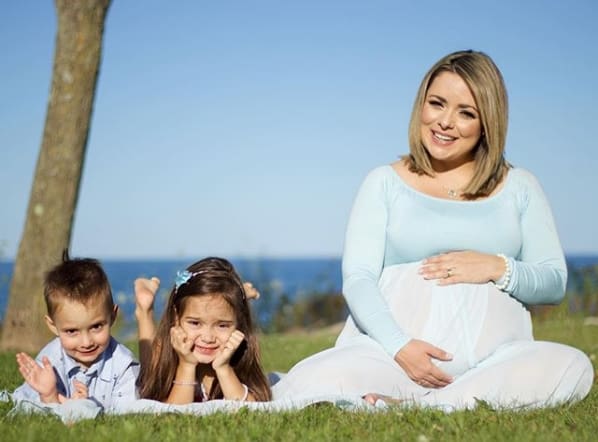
(204,393)
(451,193)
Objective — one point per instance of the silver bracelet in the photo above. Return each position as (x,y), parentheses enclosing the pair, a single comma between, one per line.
(244,398)
(506,277)
(175,382)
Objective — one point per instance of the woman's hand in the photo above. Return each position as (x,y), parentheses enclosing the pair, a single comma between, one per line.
(41,379)
(416,359)
(182,345)
(145,294)
(463,267)
(223,358)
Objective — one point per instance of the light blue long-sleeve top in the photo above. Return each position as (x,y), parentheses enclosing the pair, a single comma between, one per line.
(110,380)
(393,223)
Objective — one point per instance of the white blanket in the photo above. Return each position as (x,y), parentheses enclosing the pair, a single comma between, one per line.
(74,410)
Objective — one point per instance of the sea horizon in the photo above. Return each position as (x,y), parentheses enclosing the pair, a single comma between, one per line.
(275,278)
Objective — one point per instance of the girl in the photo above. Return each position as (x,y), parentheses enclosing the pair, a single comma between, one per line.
(205,346)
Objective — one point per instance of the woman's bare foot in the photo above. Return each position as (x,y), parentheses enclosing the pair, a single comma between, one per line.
(372,398)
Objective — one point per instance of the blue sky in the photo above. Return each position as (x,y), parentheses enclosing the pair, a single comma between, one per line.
(243,128)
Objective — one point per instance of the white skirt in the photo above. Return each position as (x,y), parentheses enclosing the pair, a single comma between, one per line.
(489,334)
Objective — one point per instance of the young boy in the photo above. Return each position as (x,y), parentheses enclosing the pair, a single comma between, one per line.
(84,360)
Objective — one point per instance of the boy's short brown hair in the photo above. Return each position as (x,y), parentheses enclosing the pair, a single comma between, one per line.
(80,279)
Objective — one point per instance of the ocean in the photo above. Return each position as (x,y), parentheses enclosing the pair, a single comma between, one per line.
(274,278)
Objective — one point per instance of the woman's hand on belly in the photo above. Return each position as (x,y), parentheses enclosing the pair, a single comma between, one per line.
(416,359)
(463,267)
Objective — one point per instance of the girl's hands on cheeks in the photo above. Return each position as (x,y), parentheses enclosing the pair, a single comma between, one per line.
(463,267)
(224,356)
(182,345)
(416,359)
(41,379)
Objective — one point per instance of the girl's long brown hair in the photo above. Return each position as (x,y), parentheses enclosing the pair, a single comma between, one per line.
(212,276)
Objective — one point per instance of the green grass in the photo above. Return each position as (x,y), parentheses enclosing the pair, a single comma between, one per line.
(578,422)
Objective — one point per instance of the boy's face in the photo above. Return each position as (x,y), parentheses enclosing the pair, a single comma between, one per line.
(83,329)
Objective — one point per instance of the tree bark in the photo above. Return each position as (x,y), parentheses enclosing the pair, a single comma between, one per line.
(55,188)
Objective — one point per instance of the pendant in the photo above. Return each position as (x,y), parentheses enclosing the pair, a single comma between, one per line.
(452,193)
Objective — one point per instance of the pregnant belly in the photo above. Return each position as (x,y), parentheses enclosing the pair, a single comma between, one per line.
(467,320)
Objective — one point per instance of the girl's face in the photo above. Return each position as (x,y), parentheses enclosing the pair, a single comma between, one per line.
(208,320)
(450,120)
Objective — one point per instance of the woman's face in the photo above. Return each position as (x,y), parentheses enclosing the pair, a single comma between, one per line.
(450,121)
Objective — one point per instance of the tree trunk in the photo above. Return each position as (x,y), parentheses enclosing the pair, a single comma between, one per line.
(55,187)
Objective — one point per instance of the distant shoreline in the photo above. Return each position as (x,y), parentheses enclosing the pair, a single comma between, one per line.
(589,256)
(275,278)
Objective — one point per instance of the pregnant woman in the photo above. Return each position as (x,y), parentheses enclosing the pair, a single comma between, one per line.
(444,249)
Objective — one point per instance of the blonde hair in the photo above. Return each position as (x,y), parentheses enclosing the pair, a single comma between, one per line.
(486,84)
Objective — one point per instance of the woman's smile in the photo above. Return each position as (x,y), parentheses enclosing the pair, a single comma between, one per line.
(442,138)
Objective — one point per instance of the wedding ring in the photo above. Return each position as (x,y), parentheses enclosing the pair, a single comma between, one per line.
(449,272)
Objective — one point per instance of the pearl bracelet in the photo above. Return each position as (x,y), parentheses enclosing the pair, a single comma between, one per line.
(506,277)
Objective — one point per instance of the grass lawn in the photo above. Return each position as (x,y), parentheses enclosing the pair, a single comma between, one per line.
(567,423)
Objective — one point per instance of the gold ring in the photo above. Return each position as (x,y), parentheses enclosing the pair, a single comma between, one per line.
(449,272)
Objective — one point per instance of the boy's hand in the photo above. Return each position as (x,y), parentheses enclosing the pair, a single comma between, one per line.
(182,345)
(250,291)
(223,358)
(80,390)
(41,379)
(145,293)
